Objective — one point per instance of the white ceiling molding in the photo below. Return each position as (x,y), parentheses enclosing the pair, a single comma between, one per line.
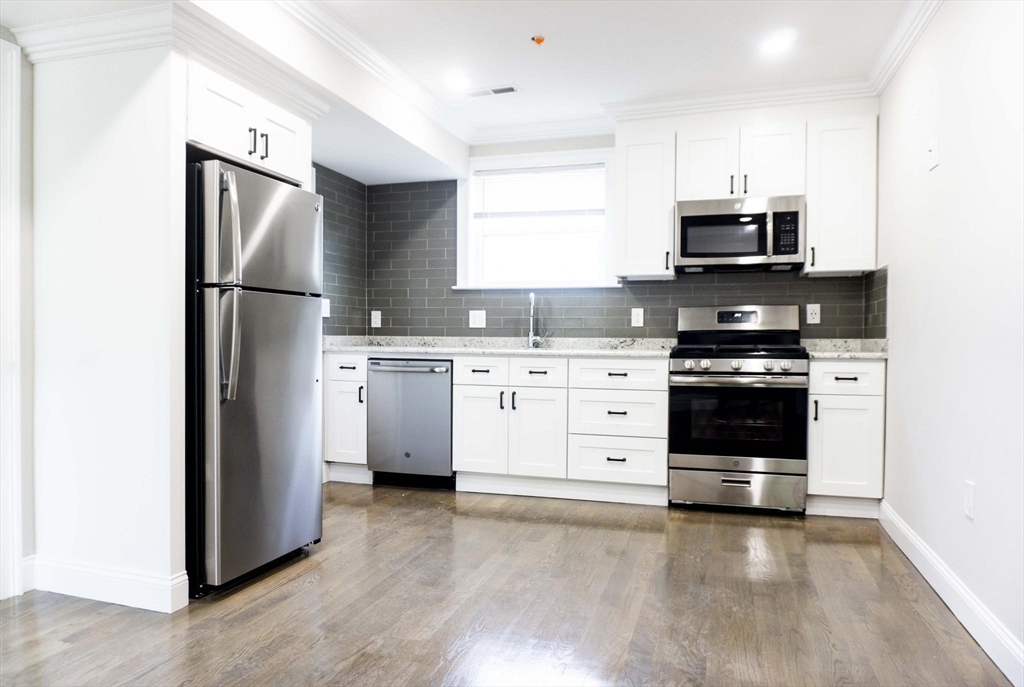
(183,27)
(316,18)
(543,131)
(912,22)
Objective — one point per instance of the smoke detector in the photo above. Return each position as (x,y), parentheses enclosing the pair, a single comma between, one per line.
(497,90)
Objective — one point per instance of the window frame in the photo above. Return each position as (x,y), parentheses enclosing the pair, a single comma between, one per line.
(465,279)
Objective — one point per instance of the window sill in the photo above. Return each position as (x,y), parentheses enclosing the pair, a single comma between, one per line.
(536,287)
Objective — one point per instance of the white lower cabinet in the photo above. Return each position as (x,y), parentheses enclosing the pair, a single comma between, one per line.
(537,432)
(346,422)
(480,428)
(619,413)
(628,460)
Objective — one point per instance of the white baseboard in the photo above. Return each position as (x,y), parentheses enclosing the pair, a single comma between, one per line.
(345,472)
(113,585)
(991,634)
(579,490)
(842,507)
(28,573)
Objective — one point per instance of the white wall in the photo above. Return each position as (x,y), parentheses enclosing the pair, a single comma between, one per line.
(954,242)
(545,146)
(109,286)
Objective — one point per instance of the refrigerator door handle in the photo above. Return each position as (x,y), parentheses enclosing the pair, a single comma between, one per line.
(236,343)
(231,185)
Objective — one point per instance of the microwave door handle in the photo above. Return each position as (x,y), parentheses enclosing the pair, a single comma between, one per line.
(771,233)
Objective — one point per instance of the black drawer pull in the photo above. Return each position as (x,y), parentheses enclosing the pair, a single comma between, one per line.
(346,367)
(266,146)
(252,148)
(616,460)
(361,394)
(538,372)
(846,379)
(480,371)
(616,412)
(815,411)
(513,400)
(501,400)
(618,374)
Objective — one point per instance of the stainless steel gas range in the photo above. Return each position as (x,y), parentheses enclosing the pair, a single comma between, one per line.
(738,382)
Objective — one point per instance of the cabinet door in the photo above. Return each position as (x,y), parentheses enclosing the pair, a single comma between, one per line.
(773,159)
(480,429)
(220,115)
(841,183)
(285,142)
(708,162)
(538,432)
(346,422)
(846,437)
(645,205)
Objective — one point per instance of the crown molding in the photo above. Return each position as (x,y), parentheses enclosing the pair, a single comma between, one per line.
(542,131)
(181,26)
(912,22)
(318,19)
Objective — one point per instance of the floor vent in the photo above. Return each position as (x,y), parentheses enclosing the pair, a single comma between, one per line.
(498,90)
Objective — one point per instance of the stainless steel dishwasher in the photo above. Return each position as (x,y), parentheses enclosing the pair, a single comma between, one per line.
(409,417)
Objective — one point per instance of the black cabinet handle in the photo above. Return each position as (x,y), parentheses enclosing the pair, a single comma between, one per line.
(538,372)
(812,256)
(501,400)
(480,371)
(732,178)
(360,394)
(744,183)
(346,367)
(668,254)
(513,400)
(266,146)
(252,148)
(846,379)
(616,460)
(815,411)
(616,412)
(618,374)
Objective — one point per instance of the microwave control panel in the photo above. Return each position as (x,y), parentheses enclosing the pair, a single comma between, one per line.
(787,239)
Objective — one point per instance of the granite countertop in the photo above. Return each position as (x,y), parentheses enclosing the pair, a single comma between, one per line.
(820,349)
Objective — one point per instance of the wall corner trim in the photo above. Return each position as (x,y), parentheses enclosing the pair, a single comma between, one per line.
(113,585)
(912,22)
(991,634)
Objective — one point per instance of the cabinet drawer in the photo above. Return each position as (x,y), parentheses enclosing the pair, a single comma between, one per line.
(346,368)
(548,372)
(848,377)
(619,413)
(618,459)
(482,370)
(619,373)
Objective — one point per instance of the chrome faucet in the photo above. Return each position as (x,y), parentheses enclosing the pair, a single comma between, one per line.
(533,340)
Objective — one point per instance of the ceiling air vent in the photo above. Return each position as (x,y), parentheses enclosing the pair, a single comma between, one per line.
(497,90)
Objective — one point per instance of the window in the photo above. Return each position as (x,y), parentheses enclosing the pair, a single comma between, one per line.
(537,221)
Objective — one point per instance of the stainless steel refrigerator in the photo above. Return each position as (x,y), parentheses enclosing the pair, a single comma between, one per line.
(254,478)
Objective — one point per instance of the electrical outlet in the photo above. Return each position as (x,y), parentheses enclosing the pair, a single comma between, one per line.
(638,317)
(375,318)
(814,313)
(325,307)
(477,319)
(969,501)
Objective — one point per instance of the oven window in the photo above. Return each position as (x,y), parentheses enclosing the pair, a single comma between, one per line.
(711,236)
(741,422)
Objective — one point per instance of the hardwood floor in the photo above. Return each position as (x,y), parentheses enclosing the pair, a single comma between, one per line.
(424,588)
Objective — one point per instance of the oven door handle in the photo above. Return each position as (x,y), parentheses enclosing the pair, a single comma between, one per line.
(794,382)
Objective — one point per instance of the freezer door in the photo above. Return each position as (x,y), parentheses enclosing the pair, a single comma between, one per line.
(263,410)
(259,232)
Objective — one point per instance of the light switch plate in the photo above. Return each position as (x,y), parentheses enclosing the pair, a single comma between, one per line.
(933,153)
(638,317)
(375,318)
(325,307)
(969,501)
(477,319)
(814,313)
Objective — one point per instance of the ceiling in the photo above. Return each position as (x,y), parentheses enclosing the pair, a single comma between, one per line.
(597,53)
(17,14)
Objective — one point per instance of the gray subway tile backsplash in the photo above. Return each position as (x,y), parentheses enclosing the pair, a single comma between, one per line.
(344,252)
(406,262)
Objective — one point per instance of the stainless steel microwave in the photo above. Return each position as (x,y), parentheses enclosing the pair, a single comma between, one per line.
(745,233)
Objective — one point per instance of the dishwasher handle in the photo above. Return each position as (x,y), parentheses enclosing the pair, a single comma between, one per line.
(388,368)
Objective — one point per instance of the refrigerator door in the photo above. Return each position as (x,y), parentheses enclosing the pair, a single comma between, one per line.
(259,232)
(263,406)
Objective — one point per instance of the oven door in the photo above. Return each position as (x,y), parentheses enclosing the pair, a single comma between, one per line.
(740,423)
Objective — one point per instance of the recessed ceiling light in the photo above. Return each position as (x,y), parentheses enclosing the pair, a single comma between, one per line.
(778,43)
(457,80)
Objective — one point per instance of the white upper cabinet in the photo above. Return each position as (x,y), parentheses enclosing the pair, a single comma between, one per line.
(644,209)
(232,121)
(708,163)
(841,183)
(772,160)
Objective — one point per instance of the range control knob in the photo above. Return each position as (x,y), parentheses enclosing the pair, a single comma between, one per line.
(769,365)
(737,364)
(689,365)
(705,364)
(786,366)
